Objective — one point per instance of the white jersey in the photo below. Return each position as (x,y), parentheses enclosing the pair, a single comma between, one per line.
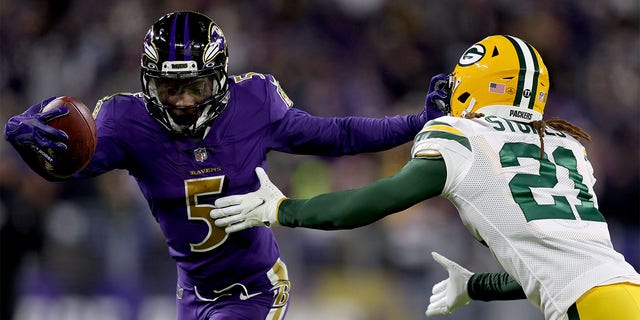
(538,215)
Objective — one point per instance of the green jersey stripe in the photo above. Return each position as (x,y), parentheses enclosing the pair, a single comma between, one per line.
(435,123)
(444,135)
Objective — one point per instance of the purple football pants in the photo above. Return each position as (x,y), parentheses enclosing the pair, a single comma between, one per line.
(235,305)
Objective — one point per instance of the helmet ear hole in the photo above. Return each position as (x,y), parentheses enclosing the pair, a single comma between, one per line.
(463,97)
(495,52)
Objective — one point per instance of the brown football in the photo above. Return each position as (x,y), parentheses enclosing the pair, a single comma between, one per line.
(83,137)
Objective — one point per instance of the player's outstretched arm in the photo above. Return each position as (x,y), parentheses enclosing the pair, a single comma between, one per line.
(463,286)
(420,179)
(301,133)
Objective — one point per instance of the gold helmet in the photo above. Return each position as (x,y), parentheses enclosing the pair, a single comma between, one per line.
(502,76)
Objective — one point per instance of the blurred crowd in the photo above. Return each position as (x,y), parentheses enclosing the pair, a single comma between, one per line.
(91,249)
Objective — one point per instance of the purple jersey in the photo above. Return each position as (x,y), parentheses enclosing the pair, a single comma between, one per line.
(182,177)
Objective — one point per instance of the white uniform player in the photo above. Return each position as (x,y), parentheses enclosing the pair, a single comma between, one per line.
(538,215)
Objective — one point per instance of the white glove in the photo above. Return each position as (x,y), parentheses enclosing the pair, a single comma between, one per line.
(258,208)
(451,293)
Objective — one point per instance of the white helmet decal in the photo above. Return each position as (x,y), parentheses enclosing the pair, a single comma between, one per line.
(216,44)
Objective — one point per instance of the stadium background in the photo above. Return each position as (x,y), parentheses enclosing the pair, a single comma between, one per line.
(91,250)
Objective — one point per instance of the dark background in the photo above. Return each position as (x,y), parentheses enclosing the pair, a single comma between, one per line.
(91,250)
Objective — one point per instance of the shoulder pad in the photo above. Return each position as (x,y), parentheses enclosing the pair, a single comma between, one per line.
(437,133)
(246,76)
(96,109)
(268,81)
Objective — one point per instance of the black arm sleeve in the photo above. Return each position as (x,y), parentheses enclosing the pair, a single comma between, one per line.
(420,179)
(494,286)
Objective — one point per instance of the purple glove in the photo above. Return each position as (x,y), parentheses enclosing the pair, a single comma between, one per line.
(30,131)
(437,102)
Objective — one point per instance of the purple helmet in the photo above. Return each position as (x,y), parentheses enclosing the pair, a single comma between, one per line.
(185,53)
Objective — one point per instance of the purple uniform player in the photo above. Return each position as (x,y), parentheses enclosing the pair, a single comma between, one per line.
(183,160)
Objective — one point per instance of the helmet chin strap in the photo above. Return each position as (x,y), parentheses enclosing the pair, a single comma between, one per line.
(469,108)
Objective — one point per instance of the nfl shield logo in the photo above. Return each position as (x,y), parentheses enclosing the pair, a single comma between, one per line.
(200,154)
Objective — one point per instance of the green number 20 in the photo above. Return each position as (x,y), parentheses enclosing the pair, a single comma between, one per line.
(556,203)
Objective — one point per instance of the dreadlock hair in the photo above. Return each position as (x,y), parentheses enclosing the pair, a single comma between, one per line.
(540,125)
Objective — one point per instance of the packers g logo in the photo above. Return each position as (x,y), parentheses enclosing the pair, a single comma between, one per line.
(472,55)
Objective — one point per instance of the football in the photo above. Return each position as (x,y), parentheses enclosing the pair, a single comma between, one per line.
(83,136)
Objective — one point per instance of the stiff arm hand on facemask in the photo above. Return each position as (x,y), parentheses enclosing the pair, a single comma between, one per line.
(436,103)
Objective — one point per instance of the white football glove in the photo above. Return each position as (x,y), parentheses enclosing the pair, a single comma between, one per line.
(451,293)
(258,208)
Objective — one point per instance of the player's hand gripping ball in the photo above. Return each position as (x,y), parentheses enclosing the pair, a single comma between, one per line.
(79,125)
